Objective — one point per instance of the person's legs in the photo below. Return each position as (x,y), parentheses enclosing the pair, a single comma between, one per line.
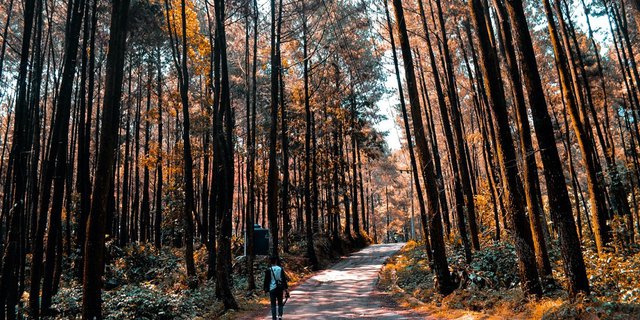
(272,296)
(280,305)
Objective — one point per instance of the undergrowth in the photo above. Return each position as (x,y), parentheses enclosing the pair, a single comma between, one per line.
(142,282)
(489,286)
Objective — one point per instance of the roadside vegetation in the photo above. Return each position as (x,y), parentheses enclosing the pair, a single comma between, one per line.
(143,282)
(489,286)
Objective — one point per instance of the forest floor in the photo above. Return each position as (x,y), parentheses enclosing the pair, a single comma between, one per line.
(142,282)
(490,286)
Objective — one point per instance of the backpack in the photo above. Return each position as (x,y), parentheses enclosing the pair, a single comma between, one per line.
(279,283)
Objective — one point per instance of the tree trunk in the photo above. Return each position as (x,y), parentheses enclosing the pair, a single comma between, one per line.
(598,211)
(272,178)
(507,156)
(311,254)
(405,119)
(54,169)
(451,146)
(250,206)
(96,225)
(145,206)
(559,203)
(188,161)
(457,120)
(16,178)
(436,150)
(223,166)
(440,264)
(84,149)
(314,177)
(157,223)
(486,148)
(530,170)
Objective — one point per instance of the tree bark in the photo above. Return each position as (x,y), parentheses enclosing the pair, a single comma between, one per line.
(157,220)
(16,178)
(96,225)
(223,166)
(451,146)
(598,212)
(530,170)
(55,169)
(456,119)
(311,254)
(440,264)
(405,119)
(272,178)
(145,206)
(506,155)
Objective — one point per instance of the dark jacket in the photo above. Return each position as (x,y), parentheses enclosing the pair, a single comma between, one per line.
(267,279)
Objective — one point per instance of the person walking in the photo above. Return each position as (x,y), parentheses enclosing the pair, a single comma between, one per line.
(275,283)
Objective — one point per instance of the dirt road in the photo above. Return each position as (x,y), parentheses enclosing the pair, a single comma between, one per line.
(346,290)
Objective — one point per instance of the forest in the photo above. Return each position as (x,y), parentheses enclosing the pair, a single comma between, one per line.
(144,143)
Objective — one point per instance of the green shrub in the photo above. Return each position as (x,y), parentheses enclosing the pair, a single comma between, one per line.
(136,302)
